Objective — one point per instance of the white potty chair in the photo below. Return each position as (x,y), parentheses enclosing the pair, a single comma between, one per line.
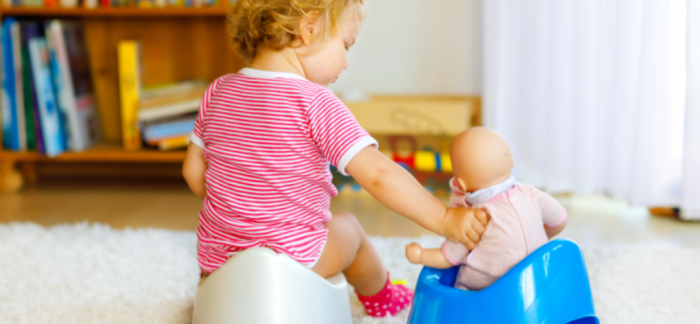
(259,286)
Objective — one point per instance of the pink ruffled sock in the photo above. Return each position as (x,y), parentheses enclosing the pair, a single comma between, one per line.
(391,300)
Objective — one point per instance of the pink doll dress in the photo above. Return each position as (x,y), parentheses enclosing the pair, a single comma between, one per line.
(518,214)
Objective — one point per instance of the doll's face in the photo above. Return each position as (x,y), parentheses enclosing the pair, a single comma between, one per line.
(480,158)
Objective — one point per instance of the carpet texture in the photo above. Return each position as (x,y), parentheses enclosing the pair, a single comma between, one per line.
(90,273)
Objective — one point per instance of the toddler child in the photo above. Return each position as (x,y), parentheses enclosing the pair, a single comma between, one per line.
(262,143)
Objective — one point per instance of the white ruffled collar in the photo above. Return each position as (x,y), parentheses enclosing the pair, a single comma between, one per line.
(482,195)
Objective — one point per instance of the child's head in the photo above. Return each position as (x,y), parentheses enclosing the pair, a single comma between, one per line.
(480,158)
(319,31)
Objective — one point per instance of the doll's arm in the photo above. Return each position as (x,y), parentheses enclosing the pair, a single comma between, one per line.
(554,214)
(428,257)
(397,189)
(553,231)
(193,170)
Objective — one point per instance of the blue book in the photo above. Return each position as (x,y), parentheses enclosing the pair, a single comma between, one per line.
(159,131)
(10,119)
(52,129)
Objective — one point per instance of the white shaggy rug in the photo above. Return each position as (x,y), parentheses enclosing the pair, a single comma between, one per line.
(90,273)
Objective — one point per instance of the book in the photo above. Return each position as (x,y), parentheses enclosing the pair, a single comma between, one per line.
(28,92)
(10,120)
(128,64)
(165,107)
(174,88)
(153,132)
(174,143)
(19,104)
(71,74)
(30,30)
(50,116)
(90,4)
(32,3)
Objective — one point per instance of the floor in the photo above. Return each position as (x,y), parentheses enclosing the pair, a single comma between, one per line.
(170,205)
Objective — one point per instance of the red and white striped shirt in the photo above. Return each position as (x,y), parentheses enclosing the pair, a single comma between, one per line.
(268,138)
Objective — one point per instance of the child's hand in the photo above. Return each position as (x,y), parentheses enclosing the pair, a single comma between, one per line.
(464,225)
(413,252)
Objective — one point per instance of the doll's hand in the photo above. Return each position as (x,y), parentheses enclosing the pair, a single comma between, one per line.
(464,225)
(413,252)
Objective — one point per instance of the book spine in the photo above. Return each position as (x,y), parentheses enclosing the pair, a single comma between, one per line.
(19,101)
(29,102)
(78,65)
(166,130)
(54,143)
(39,133)
(31,30)
(174,143)
(90,4)
(58,85)
(77,136)
(9,119)
(128,64)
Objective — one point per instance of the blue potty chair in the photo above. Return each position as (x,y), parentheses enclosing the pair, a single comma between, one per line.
(550,286)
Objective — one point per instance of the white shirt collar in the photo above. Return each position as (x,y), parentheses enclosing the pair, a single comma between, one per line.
(262,74)
(484,195)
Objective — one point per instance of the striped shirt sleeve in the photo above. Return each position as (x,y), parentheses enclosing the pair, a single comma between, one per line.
(198,133)
(335,130)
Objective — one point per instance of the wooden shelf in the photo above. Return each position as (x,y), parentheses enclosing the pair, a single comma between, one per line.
(114,12)
(99,153)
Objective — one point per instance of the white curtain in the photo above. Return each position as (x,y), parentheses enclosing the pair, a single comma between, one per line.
(690,206)
(590,94)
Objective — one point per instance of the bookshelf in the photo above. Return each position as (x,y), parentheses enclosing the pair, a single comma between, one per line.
(176,44)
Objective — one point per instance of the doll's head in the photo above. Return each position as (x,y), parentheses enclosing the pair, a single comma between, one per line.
(319,32)
(480,158)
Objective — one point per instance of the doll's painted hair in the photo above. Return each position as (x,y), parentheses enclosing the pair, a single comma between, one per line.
(275,23)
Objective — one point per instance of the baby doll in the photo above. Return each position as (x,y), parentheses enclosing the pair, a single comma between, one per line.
(522,217)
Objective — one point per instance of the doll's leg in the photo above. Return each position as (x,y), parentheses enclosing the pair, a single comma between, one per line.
(348,250)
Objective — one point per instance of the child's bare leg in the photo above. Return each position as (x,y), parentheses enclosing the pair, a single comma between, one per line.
(349,251)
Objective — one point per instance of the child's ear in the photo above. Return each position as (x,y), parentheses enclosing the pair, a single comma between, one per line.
(309,27)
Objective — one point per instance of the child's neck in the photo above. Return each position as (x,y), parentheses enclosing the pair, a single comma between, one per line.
(285,60)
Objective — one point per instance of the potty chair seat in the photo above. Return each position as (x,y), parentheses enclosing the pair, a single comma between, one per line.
(259,286)
(549,286)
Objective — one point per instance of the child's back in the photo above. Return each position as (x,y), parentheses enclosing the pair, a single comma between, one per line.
(265,141)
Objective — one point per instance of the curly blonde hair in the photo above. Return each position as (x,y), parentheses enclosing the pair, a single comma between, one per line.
(275,23)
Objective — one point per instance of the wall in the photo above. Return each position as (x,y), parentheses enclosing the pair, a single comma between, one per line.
(416,47)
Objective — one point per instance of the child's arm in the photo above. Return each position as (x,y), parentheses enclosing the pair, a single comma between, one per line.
(193,170)
(433,258)
(397,189)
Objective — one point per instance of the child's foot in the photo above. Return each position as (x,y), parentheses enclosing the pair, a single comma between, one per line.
(391,300)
